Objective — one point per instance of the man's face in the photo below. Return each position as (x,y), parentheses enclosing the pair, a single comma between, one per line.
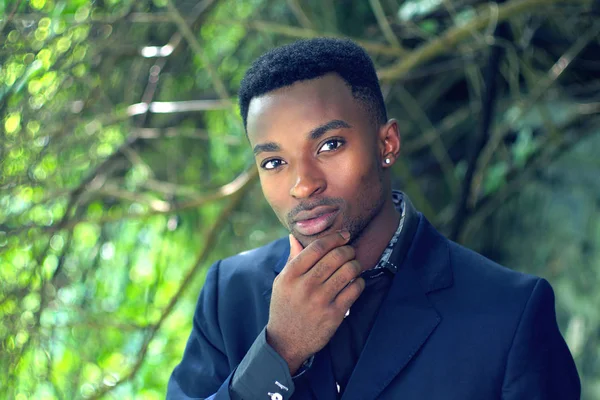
(319,157)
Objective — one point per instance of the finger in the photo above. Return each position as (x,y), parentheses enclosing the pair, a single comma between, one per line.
(295,247)
(317,250)
(342,277)
(349,295)
(330,264)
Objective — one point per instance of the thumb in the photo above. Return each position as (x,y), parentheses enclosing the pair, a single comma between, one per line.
(295,247)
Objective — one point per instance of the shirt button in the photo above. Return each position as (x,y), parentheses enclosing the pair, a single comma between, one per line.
(276,396)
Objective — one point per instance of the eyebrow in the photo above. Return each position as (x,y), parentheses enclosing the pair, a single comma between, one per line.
(313,135)
(266,147)
(323,129)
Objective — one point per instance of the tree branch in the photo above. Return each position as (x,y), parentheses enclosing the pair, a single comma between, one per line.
(383,24)
(209,244)
(303,33)
(437,145)
(10,16)
(452,37)
(300,14)
(542,159)
(187,33)
(427,137)
(243,180)
(488,103)
(169,107)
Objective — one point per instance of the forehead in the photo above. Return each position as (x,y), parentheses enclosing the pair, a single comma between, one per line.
(301,107)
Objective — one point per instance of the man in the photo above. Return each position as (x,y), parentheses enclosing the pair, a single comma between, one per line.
(366,300)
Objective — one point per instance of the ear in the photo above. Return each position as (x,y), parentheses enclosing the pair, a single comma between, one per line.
(389,143)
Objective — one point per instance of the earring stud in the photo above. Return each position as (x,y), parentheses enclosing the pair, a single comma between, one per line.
(387,161)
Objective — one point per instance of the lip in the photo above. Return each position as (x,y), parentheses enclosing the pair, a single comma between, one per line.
(315,221)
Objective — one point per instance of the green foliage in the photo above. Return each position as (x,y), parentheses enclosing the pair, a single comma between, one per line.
(109,218)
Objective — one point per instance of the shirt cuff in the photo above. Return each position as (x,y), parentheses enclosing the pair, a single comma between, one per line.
(304,367)
(263,372)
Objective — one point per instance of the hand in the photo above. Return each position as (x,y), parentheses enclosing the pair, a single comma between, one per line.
(311,296)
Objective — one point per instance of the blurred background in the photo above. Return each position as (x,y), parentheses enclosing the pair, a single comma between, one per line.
(125,171)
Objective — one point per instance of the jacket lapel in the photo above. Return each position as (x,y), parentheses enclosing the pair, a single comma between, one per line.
(277,268)
(406,318)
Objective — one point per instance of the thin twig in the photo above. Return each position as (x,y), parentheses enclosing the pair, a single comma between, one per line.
(487,99)
(437,145)
(10,16)
(300,14)
(452,37)
(303,33)
(384,25)
(427,137)
(189,36)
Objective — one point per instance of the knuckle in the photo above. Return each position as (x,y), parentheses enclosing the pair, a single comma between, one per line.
(351,252)
(332,312)
(353,291)
(347,304)
(336,255)
(320,299)
(336,277)
(356,267)
(347,273)
(350,271)
(342,307)
(359,283)
(306,285)
(342,254)
(319,270)
(318,247)
(282,277)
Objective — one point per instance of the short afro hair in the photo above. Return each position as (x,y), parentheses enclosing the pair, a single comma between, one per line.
(310,59)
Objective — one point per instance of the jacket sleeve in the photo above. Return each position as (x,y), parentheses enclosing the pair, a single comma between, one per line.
(539,364)
(205,371)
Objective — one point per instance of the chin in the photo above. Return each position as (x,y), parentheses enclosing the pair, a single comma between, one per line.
(306,240)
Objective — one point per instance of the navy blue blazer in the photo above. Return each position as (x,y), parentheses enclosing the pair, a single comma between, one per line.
(454,325)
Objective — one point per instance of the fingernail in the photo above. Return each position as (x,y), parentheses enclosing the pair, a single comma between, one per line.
(345,234)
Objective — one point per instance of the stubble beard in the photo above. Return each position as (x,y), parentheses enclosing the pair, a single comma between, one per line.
(355,225)
(371,206)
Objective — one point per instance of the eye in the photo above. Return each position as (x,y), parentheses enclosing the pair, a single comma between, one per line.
(272,163)
(331,145)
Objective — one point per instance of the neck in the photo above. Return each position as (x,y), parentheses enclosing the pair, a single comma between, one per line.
(376,235)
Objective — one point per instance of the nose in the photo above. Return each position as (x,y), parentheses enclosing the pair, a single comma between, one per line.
(309,180)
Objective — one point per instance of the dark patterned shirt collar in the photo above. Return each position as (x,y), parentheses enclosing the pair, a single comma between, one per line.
(384,265)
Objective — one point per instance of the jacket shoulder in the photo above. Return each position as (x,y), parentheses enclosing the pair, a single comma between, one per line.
(474,269)
(487,291)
